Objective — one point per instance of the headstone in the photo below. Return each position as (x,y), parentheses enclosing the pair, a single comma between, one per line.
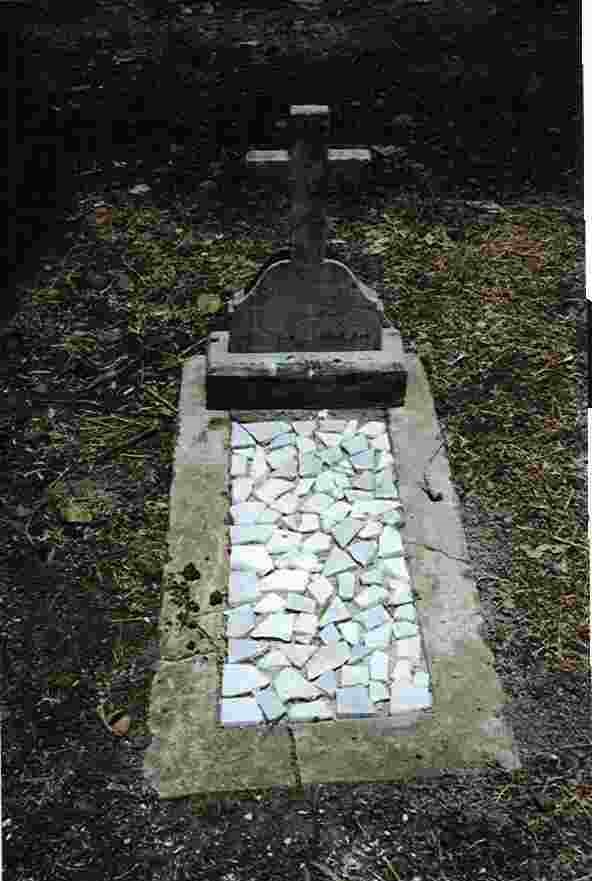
(306,304)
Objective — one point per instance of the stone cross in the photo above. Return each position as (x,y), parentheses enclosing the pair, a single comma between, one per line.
(310,161)
(307,332)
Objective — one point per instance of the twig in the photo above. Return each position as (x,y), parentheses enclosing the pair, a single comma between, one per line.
(132,441)
(167,405)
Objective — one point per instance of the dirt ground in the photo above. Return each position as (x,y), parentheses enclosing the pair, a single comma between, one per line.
(88,421)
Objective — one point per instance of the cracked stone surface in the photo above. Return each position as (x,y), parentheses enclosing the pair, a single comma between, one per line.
(321,621)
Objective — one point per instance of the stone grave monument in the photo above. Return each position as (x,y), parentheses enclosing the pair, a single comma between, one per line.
(308,333)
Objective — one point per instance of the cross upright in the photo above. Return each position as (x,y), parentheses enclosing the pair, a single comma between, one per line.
(310,161)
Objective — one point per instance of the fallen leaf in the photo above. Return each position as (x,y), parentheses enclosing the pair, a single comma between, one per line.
(121,726)
(567,665)
(568,600)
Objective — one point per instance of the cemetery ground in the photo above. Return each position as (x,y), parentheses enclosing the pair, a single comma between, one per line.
(491,296)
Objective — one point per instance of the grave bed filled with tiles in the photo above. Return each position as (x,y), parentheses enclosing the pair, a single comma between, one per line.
(321,622)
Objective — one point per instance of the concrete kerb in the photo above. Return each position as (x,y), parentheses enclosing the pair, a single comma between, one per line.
(192,753)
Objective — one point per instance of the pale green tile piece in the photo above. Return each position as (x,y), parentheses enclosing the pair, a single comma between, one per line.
(270,703)
(291,685)
(421,679)
(279,625)
(283,440)
(335,514)
(351,631)
(371,596)
(240,621)
(346,583)
(295,602)
(273,660)
(401,593)
(374,617)
(242,535)
(345,531)
(366,481)
(287,504)
(310,711)
(396,567)
(268,516)
(310,465)
(394,517)
(404,629)
(385,486)
(384,460)
(375,575)
(355,444)
(304,486)
(338,561)
(406,613)
(283,456)
(325,482)
(331,457)
(390,543)
(330,440)
(371,529)
(344,466)
(282,541)
(371,507)
(378,692)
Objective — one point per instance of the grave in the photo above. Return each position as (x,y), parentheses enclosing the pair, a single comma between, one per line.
(331,626)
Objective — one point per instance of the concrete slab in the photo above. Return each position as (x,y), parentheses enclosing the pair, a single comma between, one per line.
(192,753)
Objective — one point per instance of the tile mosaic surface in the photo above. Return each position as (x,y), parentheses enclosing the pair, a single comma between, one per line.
(321,621)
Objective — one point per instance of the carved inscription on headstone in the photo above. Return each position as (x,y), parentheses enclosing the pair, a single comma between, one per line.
(294,308)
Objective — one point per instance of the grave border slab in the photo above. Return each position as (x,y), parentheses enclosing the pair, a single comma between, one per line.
(192,753)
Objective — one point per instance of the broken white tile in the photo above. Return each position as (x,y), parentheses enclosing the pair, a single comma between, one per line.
(384,460)
(279,625)
(311,711)
(268,516)
(396,567)
(335,514)
(334,425)
(402,671)
(241,489)
(287,504)
(259,467)
(298,560)
(285,579)
(304,486)
(299,654)
(306,623)
(371,529)
(238,465)
(401,592)
(372,429)
(272,489)
(330,440)
(263,432)
(273,659)
(309,523)
(251,558)
(373,507)
(240,711)
(321,588)
(373,617)
(409,648)
(331,456)
(354,701)
(305,445)
(304,428)
(290,684)
(240,679)
(316,543)
(271,602)
(394,517)
(328,657)
(357,674)
(381,443)
(317,503)
(364,460)
(364,480)
(283,541)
